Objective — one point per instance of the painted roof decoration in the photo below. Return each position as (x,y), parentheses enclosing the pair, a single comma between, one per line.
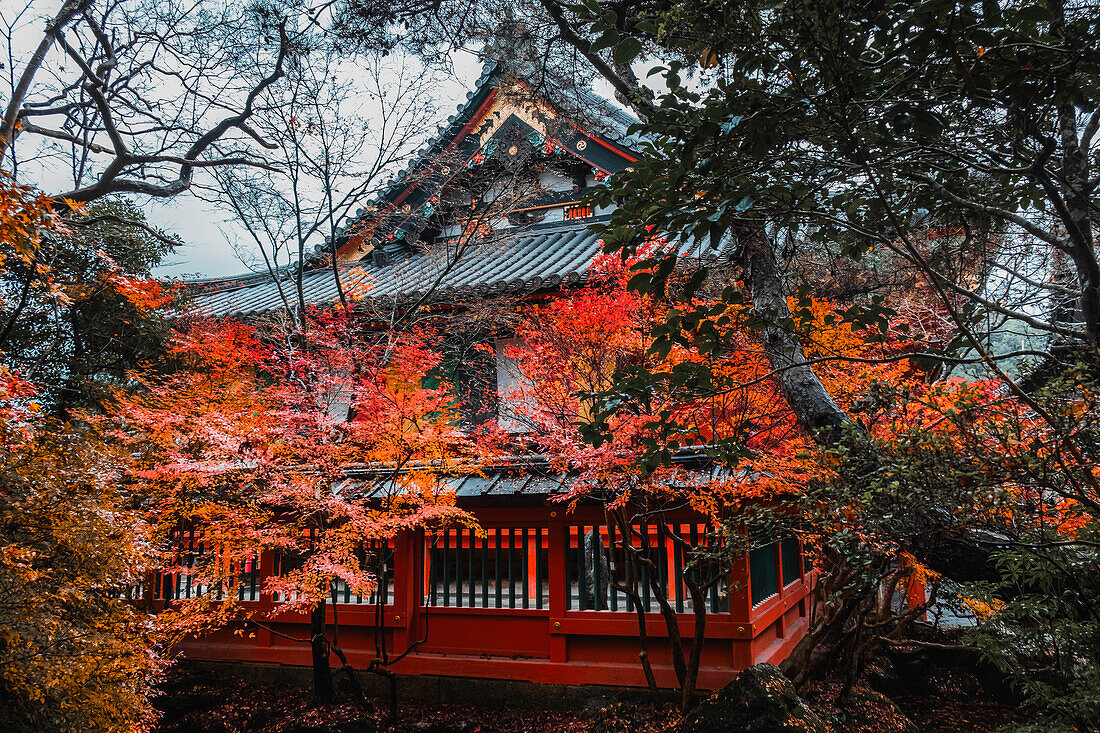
(386,253)
(499,102)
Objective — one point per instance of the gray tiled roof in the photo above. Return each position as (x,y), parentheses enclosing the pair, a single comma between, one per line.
(526,476)
(530,259)
(599,115)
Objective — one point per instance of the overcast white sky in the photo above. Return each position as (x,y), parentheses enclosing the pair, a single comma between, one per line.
(210,235)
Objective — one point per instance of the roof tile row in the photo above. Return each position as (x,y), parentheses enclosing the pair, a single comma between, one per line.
(531,259)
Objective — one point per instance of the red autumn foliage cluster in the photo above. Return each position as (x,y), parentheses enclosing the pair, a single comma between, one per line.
(251,434)
(251,437)
(572,346)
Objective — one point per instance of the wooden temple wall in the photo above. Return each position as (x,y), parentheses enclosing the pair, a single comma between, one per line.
(527,600)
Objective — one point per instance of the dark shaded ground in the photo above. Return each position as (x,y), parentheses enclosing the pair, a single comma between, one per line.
(868,711)
(196,703)
(200,704)
(932,716)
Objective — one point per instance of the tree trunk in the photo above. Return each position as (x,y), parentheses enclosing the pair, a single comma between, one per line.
(672,625)
(698,639)
(628,584)
(807,397)
(323,690)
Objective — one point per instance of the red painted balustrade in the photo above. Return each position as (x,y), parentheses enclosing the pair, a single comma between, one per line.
(526,598)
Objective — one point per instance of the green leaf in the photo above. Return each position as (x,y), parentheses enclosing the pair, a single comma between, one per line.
(1033,14)
(627,50)
(641,283)
(607,40)
(730,123)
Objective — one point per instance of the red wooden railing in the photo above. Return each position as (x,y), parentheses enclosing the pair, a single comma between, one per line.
(524,599)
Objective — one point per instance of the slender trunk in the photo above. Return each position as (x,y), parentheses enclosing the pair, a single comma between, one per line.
(336,273)
(629,585)
(323,690)
(381,655)
(345,666)
(329,185)
(24,296)
(699,607)
(299,275)
(1078,212)
(643,646)
(672,625)
(299,288)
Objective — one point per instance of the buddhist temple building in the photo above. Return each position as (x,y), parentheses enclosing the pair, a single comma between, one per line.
(487,219)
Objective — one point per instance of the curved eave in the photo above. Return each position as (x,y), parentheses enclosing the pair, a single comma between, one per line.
(608,155)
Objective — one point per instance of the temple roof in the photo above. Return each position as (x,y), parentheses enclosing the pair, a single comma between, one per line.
(523,260)
(599,117)
(527,476)
(516,261)
(520,259)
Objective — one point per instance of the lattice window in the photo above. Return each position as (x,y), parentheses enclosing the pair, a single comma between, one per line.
(775,564)
(375,556)
(791,556)
(506,568)
(194,560)
(596,568)
(763,573)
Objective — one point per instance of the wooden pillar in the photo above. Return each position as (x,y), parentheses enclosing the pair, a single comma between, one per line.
(741,612)
(559,589)
(534,541)
(406,589)
(266,599)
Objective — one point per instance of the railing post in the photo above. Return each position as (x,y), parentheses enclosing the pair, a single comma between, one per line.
(265,598)
(741,612)
(406,588)
(148,590)
(557,550)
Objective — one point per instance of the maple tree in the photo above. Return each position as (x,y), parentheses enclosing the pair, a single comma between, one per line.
(248,440)
(923,463)
(75,653)
(824,411)
(870,142)
(628,370)
(596,346)
(1037,606)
